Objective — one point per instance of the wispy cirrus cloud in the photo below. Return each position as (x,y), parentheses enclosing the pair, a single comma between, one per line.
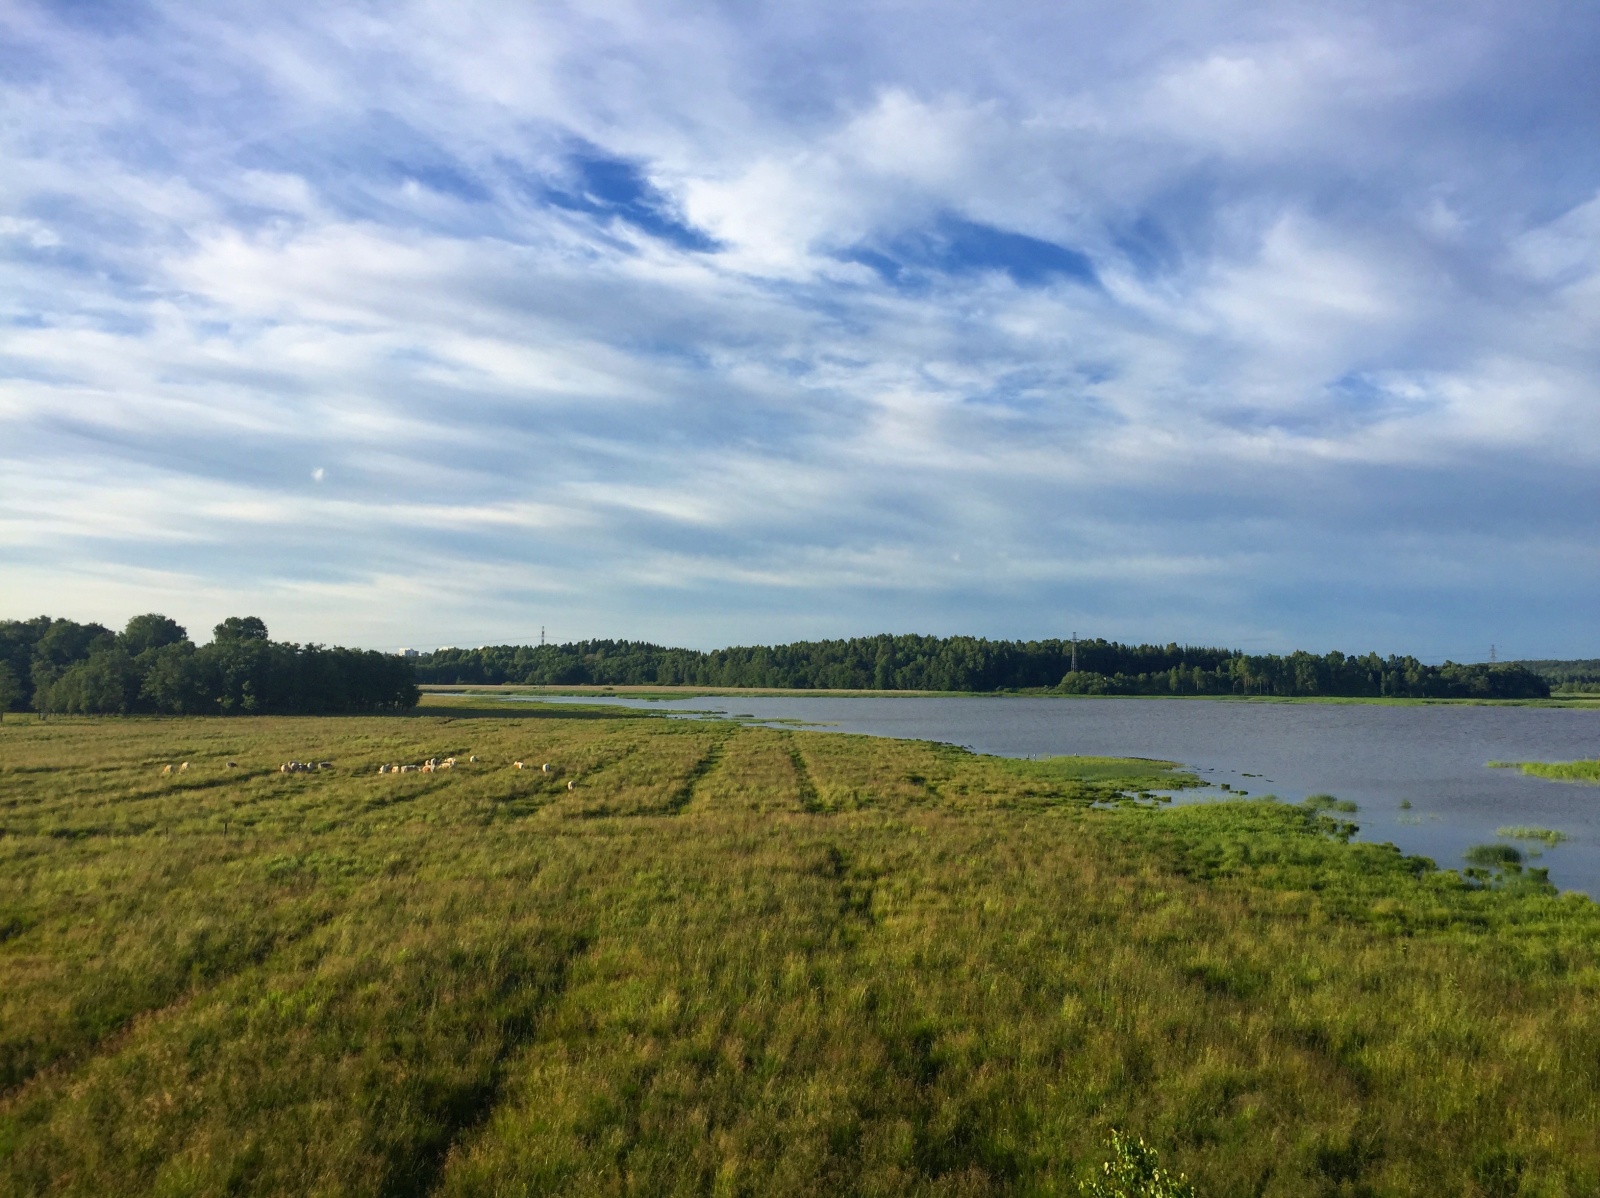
(439,322)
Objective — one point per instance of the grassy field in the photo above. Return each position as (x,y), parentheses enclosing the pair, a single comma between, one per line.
(734,960)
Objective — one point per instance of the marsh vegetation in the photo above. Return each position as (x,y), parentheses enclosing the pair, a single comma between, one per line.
(744,960)
(1550,836)
(1559,771)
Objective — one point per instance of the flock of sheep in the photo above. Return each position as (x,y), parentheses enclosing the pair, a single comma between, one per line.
(432,765)
(435,764)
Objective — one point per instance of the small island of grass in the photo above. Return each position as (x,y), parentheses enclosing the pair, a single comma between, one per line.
(1560,771)
(1550,836)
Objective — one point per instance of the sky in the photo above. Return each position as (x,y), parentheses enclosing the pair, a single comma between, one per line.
(415,324)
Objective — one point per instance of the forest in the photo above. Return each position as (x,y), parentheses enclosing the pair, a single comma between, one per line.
(928,663)
(56,665)
(1581,676)
(52,665)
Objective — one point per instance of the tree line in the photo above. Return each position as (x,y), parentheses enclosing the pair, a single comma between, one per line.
(52,665)
(1581,676)
(928,663)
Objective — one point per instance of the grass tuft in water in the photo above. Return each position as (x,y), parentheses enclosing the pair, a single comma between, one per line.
(1560,771)
(1550,836)
(1492,855)
(1328,803)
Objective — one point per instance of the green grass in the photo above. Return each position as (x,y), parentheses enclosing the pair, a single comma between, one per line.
(1550,836)
(1326,803)
(1494,855)
(738,960)
(1116,776)
(1561,771)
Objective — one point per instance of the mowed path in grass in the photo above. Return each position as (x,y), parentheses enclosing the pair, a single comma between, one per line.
(738,960)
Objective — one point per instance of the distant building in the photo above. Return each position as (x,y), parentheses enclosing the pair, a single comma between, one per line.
(409,653)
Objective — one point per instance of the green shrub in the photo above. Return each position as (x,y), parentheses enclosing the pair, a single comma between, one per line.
(1134,1171)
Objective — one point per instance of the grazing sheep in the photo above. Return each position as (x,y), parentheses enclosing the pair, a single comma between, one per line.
(165,770)
(472,760)
(516,765)
(233,765)
(183,768)
(406,769)
(572,784)
(545,768)
(383,769)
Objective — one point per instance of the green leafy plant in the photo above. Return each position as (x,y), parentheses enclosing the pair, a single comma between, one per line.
(1134,1171)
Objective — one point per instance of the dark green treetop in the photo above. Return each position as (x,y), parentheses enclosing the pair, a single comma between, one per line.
(241,628)
(151,631)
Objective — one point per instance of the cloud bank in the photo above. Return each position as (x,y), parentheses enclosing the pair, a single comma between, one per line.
(435,323)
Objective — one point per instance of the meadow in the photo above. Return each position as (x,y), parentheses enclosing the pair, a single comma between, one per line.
(739,960)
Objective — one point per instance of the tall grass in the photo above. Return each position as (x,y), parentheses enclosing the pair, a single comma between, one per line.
(1550,836)
(1561,771)
(740,960)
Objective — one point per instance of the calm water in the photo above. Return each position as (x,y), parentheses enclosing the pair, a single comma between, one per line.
(1377,756)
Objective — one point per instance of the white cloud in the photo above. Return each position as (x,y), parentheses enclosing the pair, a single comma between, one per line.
(286,309)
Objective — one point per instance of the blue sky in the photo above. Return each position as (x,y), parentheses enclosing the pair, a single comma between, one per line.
(433,323)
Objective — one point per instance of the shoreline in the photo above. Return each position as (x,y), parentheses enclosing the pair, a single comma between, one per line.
(657,691)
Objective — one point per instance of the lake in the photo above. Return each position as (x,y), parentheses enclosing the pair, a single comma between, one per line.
(1434,757)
